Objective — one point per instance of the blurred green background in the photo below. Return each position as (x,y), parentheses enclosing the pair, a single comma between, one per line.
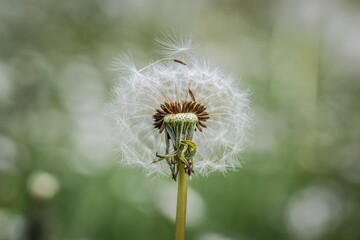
(60,179)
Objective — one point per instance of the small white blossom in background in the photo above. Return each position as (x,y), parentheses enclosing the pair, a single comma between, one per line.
(43,185)
(178,77)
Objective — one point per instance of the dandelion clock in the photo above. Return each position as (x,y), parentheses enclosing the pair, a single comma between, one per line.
(178,116)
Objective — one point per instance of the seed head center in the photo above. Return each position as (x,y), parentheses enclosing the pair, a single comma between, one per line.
(181,117)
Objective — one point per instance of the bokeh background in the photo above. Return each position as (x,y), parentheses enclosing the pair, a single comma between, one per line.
(60,179)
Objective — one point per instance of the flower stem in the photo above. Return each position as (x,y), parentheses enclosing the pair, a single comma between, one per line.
(181,205)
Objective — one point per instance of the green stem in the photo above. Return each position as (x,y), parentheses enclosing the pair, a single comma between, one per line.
(181,204)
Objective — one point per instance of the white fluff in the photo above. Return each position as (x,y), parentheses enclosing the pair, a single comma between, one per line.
(139,92)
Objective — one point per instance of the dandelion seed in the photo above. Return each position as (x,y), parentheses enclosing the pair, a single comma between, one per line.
(173,44)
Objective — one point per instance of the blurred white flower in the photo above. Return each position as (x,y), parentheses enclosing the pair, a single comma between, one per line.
(43,185)
(178,102)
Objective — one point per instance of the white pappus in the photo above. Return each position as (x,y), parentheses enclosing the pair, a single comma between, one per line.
(145,99)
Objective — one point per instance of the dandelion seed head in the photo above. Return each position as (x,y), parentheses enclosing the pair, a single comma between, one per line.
(140,93)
